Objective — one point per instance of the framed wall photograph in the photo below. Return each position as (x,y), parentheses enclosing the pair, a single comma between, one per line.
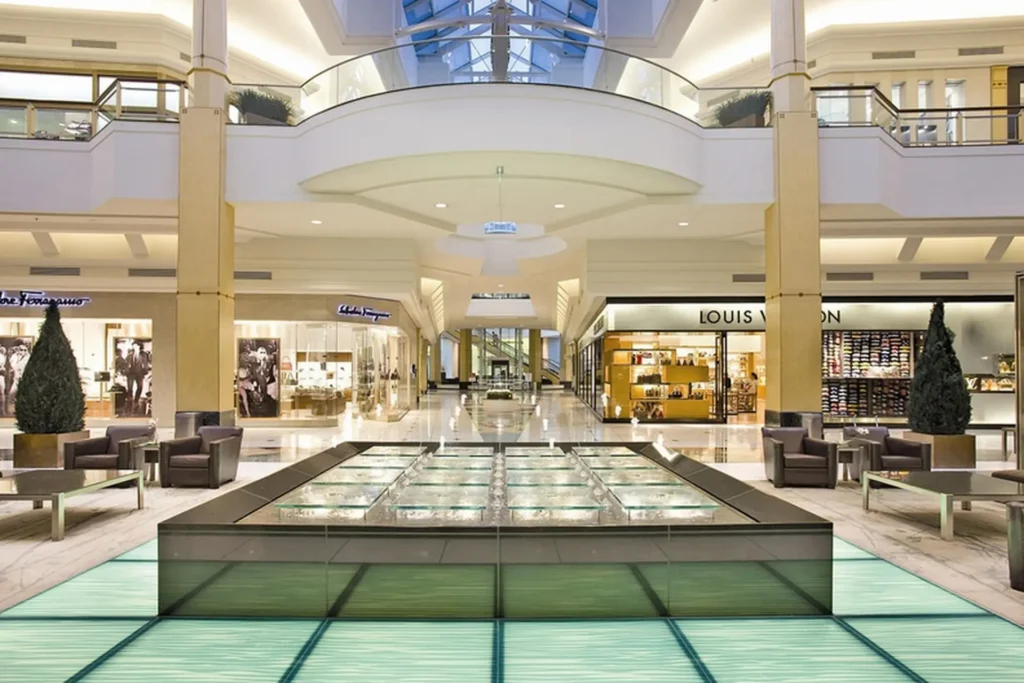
(132,387)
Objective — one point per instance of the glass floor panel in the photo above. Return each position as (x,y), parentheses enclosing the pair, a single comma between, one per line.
(203,650)
(418,652)
(355,475)
(768,650)
(564,477)
(535,463)
(653,498)
(637,462)
(312,496)
(452,477)
(443,497)
(552,498)
(458,463)
(913,642)
(592,451)
(379,461)
(640,477)
(588,652)
(470,451)
(521,451)
(395,450)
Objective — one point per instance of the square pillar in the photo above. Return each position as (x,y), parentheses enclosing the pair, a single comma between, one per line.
(465,357)
(536,358)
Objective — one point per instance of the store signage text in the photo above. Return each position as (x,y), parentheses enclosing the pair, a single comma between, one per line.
(27,299)
(373,314)
(598,326)
(746,316)
(499,228)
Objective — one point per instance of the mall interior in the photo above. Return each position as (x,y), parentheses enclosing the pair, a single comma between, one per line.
(513,340)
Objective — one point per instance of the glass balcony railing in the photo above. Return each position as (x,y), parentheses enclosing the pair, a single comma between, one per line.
(855,106)
(533,61)
(128,100)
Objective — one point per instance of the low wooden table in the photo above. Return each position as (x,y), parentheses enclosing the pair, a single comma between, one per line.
(57,486)
(151,455)
(847,456)
(949,487)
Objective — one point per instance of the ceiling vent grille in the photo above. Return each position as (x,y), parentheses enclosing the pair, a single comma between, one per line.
(748,277)
(945,275)
(894,54)
(152,272)
(94,44)
(849,277)
(19,40)
(253,275)
(184,56)
(976,51)
(45,270)
(813,63)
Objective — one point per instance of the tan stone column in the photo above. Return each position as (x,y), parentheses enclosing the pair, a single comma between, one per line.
(435,361)
(206,231)
(792,230)
(536,358)
(465,356)
(421,364)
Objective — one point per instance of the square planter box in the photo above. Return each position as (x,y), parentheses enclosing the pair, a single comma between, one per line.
(949,450)
(43,450)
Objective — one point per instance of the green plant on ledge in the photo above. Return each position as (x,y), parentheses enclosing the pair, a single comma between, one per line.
(939,401)
(744,111)
(257,106)
(50,398)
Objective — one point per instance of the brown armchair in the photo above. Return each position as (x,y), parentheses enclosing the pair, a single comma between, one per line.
(210,458)
(886,453)
(792,458)
(119,449)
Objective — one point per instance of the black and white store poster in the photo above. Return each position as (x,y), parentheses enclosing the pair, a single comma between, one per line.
(14,353)
(258,368)
(133,377)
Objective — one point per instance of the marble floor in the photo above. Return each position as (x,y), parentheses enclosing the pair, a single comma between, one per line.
(903,530)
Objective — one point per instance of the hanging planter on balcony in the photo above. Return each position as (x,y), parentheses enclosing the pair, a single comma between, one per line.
(744,111)
(261,108)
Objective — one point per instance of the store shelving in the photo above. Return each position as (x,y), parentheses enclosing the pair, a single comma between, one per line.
(866,374)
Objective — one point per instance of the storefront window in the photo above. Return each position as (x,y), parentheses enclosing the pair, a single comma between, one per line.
(115,363)
(306,370)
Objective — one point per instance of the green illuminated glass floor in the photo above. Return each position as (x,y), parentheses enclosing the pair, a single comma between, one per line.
(889,625)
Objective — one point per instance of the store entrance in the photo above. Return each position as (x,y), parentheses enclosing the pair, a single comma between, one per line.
(745,377)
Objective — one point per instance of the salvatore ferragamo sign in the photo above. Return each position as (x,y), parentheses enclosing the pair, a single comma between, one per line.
(30,299)
(367,312)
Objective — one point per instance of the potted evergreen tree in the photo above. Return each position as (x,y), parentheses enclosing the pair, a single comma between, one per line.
(940,406)
(49,405)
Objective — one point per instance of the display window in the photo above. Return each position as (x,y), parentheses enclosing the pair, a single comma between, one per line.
(302,370)
(869,356)
(115,363)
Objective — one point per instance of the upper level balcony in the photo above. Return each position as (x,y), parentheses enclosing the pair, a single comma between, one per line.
(531,95)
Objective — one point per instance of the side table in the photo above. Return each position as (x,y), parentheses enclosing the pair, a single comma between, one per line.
(151,453)
(847,454)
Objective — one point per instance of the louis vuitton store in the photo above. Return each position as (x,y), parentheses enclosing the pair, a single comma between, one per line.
(702,360)
(303,360)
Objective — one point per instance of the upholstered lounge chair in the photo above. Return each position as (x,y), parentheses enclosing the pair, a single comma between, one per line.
(792,458)
(210,458)
(886,453)
(119,449)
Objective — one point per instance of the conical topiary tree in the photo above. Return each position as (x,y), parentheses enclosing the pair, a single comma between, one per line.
(50,398)
(939,402)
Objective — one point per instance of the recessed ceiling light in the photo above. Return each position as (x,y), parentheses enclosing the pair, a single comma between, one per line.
(440,205)
(501,286)
(683,224)
(317,222)
(559,206)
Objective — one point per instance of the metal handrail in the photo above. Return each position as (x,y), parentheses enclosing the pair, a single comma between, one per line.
(667,89)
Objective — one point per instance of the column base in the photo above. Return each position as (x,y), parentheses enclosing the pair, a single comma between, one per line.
(188,422)
(810,421)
